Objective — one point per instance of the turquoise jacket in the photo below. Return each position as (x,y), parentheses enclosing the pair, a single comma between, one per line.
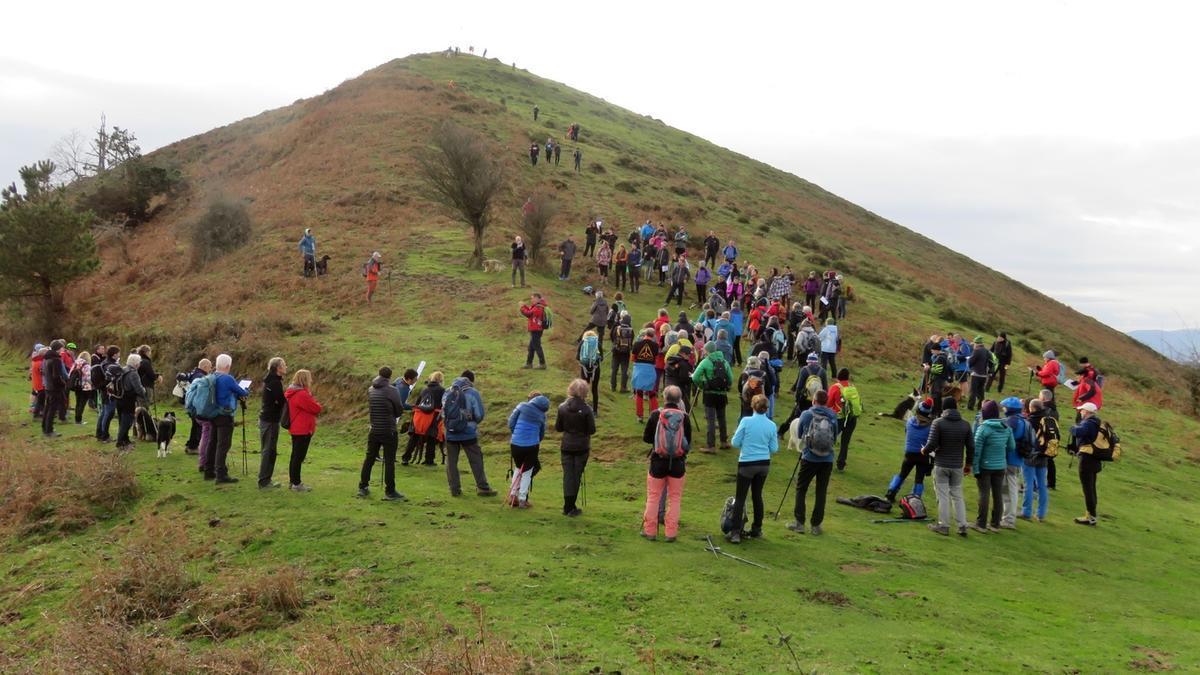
(993,442)
(757,438)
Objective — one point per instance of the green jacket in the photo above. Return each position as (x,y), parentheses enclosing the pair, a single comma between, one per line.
(993,441)
(704,372)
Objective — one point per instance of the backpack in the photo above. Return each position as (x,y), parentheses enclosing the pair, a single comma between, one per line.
(670,439)
(819,436)
(1026,445)
(679,369)
(614,312)
(623,340)
(589,352)
(811,343)
(454,410)
(547,321)
(912,508)
(1106,447)
(994,366)
(367,265)
(426,404)
(1063,377)
(201,398)
(727,524)
(752,388)
(951,355)
(115,381)
(812,384)
(720,378)
(852,405)
(97,375)
(285,416)
(779,339)
(75,379)
(1048,437)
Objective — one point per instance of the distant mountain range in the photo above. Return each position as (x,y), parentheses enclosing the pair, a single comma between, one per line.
(1176,344)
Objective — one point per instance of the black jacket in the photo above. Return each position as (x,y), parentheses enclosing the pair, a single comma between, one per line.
(980,362)
(661,467)
(146,373)
(52,372)
(711,245)
(134,391)
(385,405)
(949,436)
(272,398)
(1003,351)
(576,423)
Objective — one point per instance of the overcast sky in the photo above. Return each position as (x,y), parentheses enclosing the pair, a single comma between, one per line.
(1058,142)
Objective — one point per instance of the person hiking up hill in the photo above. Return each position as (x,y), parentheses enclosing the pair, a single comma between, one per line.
(1002,349)
(527,422)
(846,401)
(818,431)
(622,346)
(755,438)
(538,320)
(598,317)
(669,434)
(951,447)
(714,378)
(462,410)
(590,355)
(577,425)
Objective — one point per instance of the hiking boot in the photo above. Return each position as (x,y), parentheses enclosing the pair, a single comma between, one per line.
(816,530)
(939,529)
(527,366)
(708,451)
(486,492)
(226,480)
(52,434)
(669,540)
(798,528)
(208,476)
(993,529)
(574,513)
(300,487)
(456,493)
(648,537)
(524,504)
(1008,526)
(269,486)
(962,531)
(364,492)
(641,421)
(754,534)
(428,463)
(540,366)
(978,528)
(1025,517)
(725,445)
(394,497)
(734,537)
(1088,520)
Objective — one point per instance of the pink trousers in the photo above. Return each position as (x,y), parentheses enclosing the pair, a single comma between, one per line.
(654,493)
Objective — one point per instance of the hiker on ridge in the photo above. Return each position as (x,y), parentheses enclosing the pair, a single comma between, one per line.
(527,422)
(308,249)
(712,244)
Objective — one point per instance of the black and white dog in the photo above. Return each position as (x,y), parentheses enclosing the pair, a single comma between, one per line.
(904,406)
(166,431)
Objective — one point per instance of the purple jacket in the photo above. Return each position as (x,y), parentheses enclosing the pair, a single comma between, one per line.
(811,286)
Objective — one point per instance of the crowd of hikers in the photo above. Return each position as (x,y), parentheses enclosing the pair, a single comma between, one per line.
(952,428)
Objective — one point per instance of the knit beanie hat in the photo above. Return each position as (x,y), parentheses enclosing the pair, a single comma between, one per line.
(1049,354)
(812,358)
(990,410)
(925,407)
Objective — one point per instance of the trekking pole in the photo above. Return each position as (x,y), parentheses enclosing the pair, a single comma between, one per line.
(243,438)
(789,486)
(583,486)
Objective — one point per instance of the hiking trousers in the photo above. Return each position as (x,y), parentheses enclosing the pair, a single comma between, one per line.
(991,486)
(54,408)
(412,450)
(620,362)
(573,465)
(737,350)
(518,264)
(1089,469)
(387,441)
(829,361)
(104,421)
(655,487)
(592,376)
(535,348)
(1012,494)
(676,291)
(205,443)
(1035,481)
(222,426)
(751,477)
(639,396)
(948,484)
(975,401)
(474,457)
(846,432)
(714,417)
(296,461)
(635,279)
(566,268)
(193,441)
(621,269)
(808,471)
(701,293)
(268,449)
(81,401)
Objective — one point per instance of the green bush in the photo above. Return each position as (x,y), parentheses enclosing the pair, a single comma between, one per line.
(223,228)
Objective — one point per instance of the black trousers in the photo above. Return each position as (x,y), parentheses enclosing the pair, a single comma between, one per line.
(222,441)
(847,432)
(710,259)
(991,484)
(1050,473)
(737,350)
(998,378)
(193,441)
(573,466)
(566,268)
(808,471)
(1089,469)
(751,478)
(412,452)
(535,348)
(620,362)
(299,452)
(82,398)
(387,441)
(676,291)
(714,417)
(701,293)
(635,279)
(589,248)
(55,406)
(592,377)
(977,392)
(621,270)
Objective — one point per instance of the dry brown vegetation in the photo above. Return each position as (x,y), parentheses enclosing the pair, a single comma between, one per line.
(47,490)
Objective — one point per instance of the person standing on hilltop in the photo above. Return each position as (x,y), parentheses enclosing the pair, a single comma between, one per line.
(533,153)
(1002,348)
(536,111)
(589,240)
(371,271)
(527,422)
(712,244)
(535,313)
(518,260)
(730,252)
(557,153)
(308,249)
(578,159)
(812,286)
(669,434)
(566,252)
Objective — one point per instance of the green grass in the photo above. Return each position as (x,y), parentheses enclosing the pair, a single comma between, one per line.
(588,592)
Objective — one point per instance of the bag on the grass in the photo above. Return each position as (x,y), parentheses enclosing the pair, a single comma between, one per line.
(912,508)
(727,524)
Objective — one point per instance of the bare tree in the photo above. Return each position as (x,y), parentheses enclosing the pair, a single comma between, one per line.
(110,149)
(538,212)
(464,175)
(70,155)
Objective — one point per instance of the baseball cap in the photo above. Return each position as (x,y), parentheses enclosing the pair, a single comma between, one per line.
(1089,406)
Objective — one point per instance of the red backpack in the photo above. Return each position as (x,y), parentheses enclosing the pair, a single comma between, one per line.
(669,439)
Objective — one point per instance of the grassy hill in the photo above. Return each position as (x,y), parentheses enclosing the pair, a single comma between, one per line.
(426,579)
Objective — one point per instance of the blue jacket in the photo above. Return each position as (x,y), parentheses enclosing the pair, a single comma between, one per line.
(475,411)
(228,391)
(1085,432)
(993,442)
(757,438)
(725,348)
(635,258)
(647,231)
(736,322)
(964,354)
(806,419)
(829,339)
(703,276)
(404,389)
(308,244)
(1017,425)
(527,422)
(724,270)
(915,435)
(730,252)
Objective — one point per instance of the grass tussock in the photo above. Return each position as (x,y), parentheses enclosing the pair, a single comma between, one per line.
(150,581)
(45,492)
(259,602)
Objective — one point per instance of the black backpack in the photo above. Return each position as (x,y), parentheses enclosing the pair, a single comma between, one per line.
(623,340)
(720,378)
(115,386)
(426,404)
(727,524)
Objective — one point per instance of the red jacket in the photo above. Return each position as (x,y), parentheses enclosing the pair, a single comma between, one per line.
(1048,375)
(303,409)
(35,372)
(1088,392)
(534,314)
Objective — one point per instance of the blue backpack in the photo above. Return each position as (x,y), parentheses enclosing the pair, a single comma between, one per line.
(201,398)
(454,410)
(589,351)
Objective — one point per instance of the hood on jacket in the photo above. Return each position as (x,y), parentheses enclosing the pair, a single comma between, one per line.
(540,402)
(952,414)
(462,383)
(380,382)
(626,321)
